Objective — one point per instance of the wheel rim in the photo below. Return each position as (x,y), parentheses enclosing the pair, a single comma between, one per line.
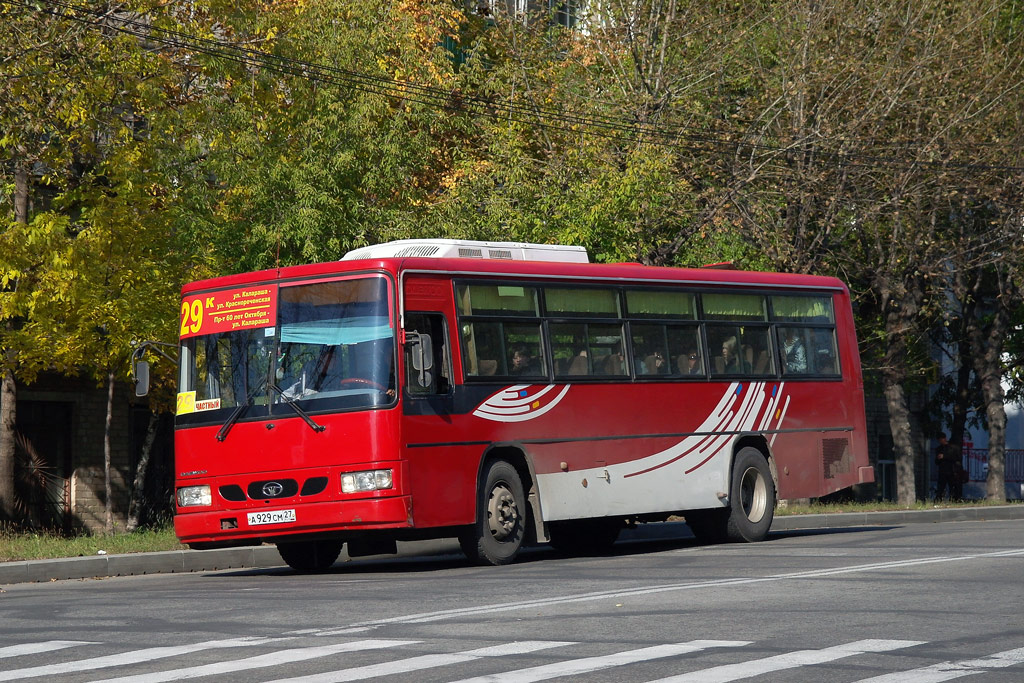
(502,513)
(753,494)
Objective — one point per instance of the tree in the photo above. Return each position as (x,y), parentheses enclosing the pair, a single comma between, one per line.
(93,113)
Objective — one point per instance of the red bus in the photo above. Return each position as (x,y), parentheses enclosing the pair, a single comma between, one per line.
(506,393)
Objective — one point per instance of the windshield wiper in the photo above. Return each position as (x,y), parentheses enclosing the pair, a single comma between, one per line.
(239,409)
(295,406)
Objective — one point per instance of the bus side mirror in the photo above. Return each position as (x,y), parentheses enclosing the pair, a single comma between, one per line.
(141,373)
(421,352)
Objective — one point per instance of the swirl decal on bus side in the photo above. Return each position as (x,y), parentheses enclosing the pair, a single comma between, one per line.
(738,410)
(520,403)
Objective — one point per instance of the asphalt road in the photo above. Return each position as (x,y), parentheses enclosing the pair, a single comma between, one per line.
(911,602)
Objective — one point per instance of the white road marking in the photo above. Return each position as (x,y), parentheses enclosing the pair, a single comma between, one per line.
(790,660)
(410,664)
(36,648)
(298,654)
(425,617)
(576,667)
(947,671)
(133,657)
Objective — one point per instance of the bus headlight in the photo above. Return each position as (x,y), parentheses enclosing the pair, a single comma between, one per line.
(192,496)
(372,480)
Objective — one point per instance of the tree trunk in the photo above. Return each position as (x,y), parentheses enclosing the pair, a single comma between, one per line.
(965,362)
(108,508)
(995,484)
(8,400)
(899,424)
(138,488)
(988,366)
(893,376)
(900,312)
(987,341)
(8,389)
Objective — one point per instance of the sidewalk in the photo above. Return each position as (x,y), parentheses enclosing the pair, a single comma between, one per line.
(259,557)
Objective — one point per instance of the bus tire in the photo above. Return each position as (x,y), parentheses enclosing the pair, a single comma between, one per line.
(585,536)
(497,536)
(751,498)
(310,556)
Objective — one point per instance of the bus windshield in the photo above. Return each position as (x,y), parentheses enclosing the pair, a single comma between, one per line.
(331,347)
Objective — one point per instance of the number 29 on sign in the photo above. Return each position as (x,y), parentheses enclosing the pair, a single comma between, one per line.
(191,316)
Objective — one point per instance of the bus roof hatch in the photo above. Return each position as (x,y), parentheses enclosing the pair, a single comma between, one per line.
(446,248)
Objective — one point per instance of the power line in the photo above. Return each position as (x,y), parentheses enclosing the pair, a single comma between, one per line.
(453,100)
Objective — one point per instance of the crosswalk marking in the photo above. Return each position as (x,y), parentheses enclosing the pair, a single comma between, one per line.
(133,657)
(790,660)
(297,654)
(410,664)
(281,651)
(947,671)
(588,664)
(36,648)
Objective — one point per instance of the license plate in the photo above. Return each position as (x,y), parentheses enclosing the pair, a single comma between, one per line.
(271,517)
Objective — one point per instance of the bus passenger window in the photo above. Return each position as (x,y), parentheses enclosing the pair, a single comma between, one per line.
(684,348)
(481,349)
(651,354)
(757,357)
(823,352)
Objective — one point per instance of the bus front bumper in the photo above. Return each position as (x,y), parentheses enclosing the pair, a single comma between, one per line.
(235,527)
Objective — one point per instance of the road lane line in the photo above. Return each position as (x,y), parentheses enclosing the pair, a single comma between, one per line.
(577,667)
(298,654)
(423,662)
(132,657)
(36,648)
(947,671)
(441,615)
(789,660)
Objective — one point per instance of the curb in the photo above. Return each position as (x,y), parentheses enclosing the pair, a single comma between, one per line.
(262,557)
(897,517)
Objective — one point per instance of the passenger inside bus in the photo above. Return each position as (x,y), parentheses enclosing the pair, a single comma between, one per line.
(730,362)
(523,362)
(690,364)
(578,364)
(652,364)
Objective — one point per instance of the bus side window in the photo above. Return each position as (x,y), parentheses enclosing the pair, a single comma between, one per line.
(431,324)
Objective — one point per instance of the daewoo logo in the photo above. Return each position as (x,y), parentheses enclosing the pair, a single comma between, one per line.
(272,489)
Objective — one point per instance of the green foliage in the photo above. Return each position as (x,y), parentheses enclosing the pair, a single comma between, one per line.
(811,138)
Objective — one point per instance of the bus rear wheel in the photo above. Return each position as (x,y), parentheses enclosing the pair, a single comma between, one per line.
(497,536)
(310,556)
(751,498)
(748,517)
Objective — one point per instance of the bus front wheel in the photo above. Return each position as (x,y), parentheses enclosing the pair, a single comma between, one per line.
(751,498)
(310,556)
(500,525)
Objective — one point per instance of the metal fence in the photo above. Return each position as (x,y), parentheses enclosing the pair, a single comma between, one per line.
(977,464)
